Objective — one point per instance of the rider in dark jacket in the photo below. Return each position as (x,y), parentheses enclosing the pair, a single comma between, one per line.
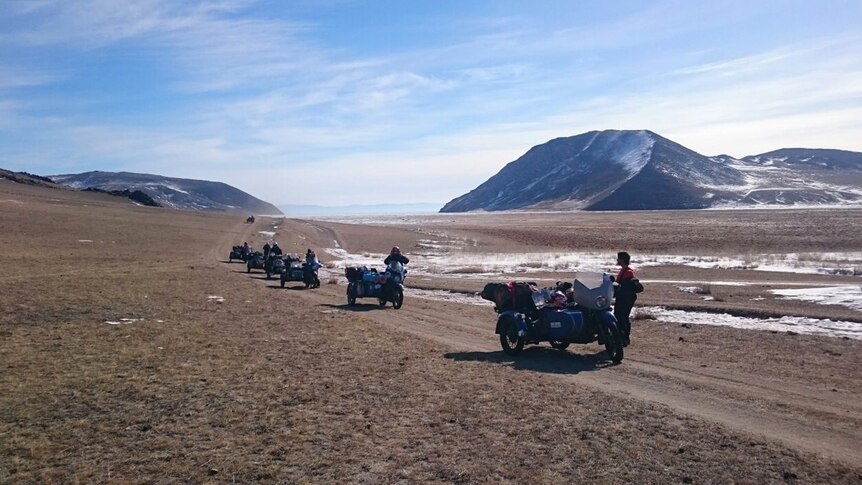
(395,255)
(266,248)
(625,295)
(275,250)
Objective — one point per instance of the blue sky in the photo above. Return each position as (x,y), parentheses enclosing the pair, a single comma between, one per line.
(338,102)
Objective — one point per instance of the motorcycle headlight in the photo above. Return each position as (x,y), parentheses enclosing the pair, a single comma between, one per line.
(601,302)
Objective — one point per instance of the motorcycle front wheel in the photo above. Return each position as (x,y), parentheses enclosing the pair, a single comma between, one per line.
(351,295)
(613,342)
(399,299)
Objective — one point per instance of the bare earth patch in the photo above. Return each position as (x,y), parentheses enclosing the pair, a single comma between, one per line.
(282,385)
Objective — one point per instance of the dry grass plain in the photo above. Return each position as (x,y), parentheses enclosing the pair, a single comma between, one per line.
(287,386)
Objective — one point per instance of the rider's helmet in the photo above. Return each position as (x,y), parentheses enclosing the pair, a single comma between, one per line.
(558,299)
(396,250)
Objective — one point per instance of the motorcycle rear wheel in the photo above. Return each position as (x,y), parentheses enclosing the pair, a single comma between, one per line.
(560,345)
(510,341)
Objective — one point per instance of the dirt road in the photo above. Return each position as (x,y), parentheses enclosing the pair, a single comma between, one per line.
(806,416)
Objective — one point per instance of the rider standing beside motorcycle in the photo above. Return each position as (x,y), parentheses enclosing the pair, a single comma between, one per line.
(395,255)
(625,295)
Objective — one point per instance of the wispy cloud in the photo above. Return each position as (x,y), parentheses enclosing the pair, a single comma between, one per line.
(257,98)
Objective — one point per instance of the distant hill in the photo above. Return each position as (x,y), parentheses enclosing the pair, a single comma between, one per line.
(176,193)
(26,178)
(633,170)
(344,210)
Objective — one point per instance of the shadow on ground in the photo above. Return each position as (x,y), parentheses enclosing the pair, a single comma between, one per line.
(358,307)
(286,287)
(539,359)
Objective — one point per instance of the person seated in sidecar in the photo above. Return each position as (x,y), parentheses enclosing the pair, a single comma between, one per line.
(395,255)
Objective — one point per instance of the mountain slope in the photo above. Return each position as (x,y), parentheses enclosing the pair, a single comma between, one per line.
(176,193)
(632,170)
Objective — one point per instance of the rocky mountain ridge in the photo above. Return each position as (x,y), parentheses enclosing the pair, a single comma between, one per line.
(641,170)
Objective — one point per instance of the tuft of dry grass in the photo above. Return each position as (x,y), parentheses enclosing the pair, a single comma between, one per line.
(467,270)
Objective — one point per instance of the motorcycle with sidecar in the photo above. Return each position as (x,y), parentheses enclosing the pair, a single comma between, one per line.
(368,283)
(586,319)
(274,265)
(304,272)
(255,261)
(238,252)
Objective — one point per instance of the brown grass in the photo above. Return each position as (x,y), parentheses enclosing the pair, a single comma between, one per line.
(270,386)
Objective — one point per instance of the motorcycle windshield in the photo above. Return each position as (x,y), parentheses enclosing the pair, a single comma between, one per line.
(396,271)
(593,290)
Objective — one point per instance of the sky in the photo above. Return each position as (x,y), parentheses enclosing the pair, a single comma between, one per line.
(336,102)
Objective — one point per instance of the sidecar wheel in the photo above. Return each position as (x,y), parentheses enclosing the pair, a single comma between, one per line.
(613,343)
(560,345)
(510,341)
(399,299)
(382,302)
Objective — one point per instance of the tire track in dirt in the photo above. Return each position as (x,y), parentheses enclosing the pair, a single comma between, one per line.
(742,402)
(730,402)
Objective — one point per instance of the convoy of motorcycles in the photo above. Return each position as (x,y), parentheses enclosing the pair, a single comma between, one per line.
(570,313)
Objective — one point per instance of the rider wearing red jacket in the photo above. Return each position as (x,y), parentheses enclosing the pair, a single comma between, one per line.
(625,295)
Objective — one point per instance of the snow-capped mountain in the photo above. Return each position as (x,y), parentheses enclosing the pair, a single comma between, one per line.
(176,193)
(631,170)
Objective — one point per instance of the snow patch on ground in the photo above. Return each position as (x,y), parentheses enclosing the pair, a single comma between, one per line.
(802,325)
(215,298)
(849,296)
(811,326)
(124,321)
(450,296)
(12,201)
(267,233)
